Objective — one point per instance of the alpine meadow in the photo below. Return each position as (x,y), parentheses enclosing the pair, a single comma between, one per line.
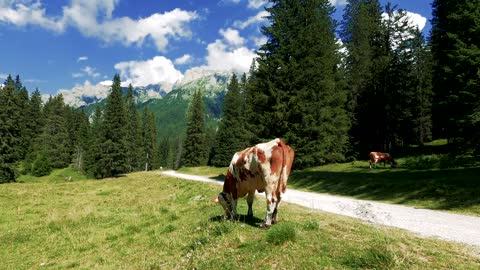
(80,170)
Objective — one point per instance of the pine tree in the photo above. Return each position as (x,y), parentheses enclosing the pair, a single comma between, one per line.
(34,125)
(360,32)
(297,95)
(94,153)
(10,132)
(195,152)
(54,140)
(78,130)
(165,153)
(455,39)
(230,137)
(114,148)
(150,148)
(134,153)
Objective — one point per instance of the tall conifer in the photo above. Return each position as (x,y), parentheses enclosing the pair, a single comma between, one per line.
(114,148)
(10,132)
(134,135)
(298,97)
(230,136)
(195,152)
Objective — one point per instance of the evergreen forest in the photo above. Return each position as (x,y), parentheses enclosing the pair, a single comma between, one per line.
(333,90)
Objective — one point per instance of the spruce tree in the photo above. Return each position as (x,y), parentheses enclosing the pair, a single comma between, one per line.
(134,153)
(230,136)
(297,95)
(195,152)
(34,125)
(114,147)
(360,32)
(10,132)
(165,153)
(94,153)
(455,39)
(149,136)
(54,140)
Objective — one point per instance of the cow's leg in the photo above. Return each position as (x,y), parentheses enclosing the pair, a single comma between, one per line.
(234,208)
(251,196)
(370,164)
(271,206)
(275,212)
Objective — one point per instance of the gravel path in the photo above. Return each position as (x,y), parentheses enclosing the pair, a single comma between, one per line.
(427,223)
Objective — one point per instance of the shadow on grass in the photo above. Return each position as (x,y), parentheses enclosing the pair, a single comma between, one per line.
(252,221)
(435,189)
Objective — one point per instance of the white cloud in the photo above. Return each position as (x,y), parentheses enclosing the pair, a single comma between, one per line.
(90,72)
(93,18)
(255,4)
(259,18)
(82,58)
(232,36)
(338,2)
(185,59)
(413,19)
(223,57)
(86,72)
(259,41)
(3,76)
(417,20)
(158,70)
(23,13)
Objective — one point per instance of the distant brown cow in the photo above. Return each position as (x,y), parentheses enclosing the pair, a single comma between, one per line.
(376,157)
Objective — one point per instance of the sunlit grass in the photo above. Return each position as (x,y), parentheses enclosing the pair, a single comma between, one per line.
(148,221)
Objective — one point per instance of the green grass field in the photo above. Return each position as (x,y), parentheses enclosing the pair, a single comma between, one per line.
(148,221)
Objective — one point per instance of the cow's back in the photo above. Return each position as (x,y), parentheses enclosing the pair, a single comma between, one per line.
(263,164)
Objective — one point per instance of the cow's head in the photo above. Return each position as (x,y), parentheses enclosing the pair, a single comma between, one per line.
(226,201)
(226,198)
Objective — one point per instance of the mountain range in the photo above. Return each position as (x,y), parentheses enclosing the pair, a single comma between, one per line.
(168,105)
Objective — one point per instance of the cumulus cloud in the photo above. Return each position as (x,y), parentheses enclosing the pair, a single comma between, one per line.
(255,4)
(259,41)
(93,18)
(158,70)
(228,54)
(82,58)
(185,59)
(232,36)
(23,13)
(259,18)
(413,19)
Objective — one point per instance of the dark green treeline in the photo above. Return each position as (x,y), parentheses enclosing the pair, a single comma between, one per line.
(36,138)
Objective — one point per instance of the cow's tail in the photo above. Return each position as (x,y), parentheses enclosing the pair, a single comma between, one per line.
(286,166)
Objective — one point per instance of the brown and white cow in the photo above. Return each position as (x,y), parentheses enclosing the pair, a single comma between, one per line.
(264,167)
(376,157)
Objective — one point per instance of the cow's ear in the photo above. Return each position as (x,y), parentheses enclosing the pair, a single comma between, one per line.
(214,200)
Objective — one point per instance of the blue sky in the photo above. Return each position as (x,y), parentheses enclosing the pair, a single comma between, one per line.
(55,45)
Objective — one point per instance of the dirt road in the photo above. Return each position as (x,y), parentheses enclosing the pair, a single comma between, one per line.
(427,223)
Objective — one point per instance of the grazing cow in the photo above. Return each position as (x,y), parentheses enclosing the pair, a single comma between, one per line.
(264,167)
(376,157)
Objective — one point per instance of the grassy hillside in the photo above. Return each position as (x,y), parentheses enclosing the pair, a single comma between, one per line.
(147,221)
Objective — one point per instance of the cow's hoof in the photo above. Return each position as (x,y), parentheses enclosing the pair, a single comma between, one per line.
(265,225)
